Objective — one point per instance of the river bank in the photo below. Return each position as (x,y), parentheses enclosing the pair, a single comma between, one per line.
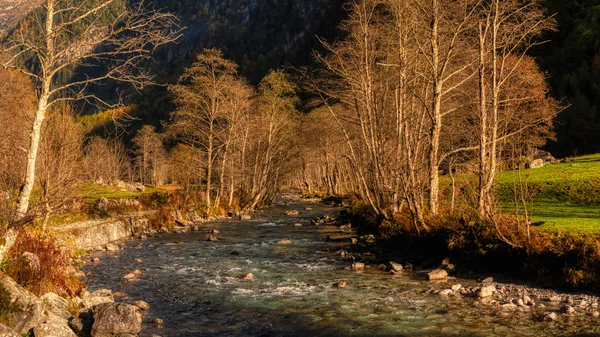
(282,274)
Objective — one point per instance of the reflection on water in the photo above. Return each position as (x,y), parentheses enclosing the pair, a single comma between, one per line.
(197,287)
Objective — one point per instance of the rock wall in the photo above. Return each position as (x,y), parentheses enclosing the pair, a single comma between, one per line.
(91,235)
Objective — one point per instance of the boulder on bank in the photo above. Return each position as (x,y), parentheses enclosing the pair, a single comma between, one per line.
(53,328)
(56,305)
(29,310)
(98,297)
(7,332)
(437,274)
(113,319)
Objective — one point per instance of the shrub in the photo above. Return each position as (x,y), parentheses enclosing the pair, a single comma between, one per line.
(54,273)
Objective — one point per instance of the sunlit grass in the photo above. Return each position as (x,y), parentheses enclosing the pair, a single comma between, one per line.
(565,196)
(562,218)
(91,192)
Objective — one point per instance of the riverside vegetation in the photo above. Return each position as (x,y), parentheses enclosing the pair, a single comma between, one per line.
(424,118)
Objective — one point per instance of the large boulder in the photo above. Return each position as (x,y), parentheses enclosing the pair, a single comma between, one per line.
(29,310)
(7,332)
(98,297)
(114,319)
(56,305)
(54,328)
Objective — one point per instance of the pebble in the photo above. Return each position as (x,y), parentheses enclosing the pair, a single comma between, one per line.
(284,242)
(508,306)
(158,321)
(446,292)
(342,284)
(551,317)
(130,277)
(248,277)
(396,266)
(297,225)
(485,291)
(142,305)
(137,272)
(358,266)
(437,274)
(95,260)
(596,314)
(138,260)
(488,280)
(456,287)
(567,309)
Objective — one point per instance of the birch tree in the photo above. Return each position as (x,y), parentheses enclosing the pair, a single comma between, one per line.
(64,35)
(201,95)
(507,31)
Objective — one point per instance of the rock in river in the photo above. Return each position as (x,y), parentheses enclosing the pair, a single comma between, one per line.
(437,274)
(486,291)
(396,266)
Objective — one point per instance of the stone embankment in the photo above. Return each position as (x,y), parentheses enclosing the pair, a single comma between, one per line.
(96,234)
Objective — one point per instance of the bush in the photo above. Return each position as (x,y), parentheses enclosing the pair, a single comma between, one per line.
(53,273)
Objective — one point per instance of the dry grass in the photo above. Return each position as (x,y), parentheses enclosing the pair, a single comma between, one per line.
(53,273)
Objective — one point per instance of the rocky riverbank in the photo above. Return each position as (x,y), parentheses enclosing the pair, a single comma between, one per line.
(499,299)
(93,314)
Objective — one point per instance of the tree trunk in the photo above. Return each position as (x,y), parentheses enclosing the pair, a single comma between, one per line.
(436,114)
(483,121)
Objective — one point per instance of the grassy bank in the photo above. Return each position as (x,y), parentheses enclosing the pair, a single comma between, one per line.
(564,196)
(550,259)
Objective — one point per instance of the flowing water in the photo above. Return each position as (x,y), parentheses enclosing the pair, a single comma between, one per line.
(197,287)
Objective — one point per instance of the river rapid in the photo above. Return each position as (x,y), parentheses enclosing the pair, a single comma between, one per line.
(198,288)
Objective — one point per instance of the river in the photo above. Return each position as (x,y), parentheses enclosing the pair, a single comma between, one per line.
(197,287)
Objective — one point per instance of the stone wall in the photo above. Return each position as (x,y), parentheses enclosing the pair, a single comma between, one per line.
(90,235)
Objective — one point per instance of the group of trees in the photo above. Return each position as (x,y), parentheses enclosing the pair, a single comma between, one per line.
(415,87)
(112,39)
(421,86)
(239,139)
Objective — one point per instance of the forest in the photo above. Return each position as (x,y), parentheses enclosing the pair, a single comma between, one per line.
(425,120)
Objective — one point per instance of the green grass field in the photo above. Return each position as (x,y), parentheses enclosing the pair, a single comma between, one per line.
(566,196)
(91,192)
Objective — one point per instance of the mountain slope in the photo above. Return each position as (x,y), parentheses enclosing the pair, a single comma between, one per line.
(11,11)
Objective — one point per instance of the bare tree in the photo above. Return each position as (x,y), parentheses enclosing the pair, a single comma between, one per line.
(59,161)
(271,136)
(202,95)
(106,160)
(149,155)
(65,35)
(507,30)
